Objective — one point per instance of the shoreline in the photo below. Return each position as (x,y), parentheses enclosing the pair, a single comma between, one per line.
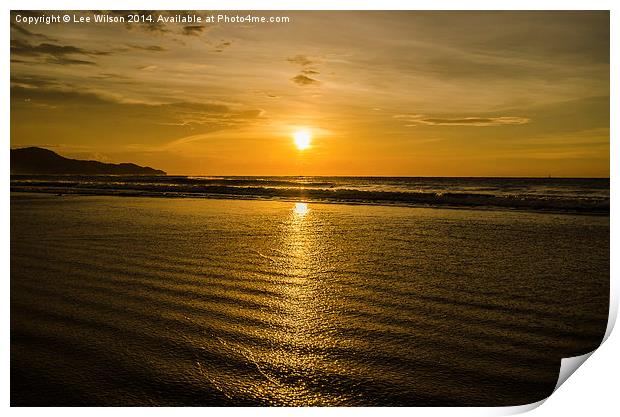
(213,196)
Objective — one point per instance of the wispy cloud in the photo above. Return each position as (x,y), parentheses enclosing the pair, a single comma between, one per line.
(25,32)
(304,80)
(54,53)
(63,60)
(33,81)
(310,72)
(153,48)
(111,76)
(148,68)
(182,113)
(420,119)
(193,30)
(153,27)
(221,46)
(300,59)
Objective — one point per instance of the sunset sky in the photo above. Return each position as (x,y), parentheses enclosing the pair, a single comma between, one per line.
(381,93)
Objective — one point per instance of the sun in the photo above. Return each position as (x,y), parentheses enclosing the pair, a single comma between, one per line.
(302,138)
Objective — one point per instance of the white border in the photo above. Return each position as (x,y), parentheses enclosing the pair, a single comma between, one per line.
(592,391)
(311,5)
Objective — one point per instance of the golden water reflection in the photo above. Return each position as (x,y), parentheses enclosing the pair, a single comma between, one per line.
(292,366)
(301,209)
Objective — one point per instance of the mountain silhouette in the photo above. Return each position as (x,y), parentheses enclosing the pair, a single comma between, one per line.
(34,160)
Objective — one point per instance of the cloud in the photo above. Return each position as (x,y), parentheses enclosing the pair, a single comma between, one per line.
(32,81)
(304,80)
(310,72)
(154,48)
(301,60)
(265,94)
(53,53)
(63,60)
(193,30)
(30,34)
(111,76)
(221,46)
(420,119)
(24,48)
(148,68)
(190,115)
(153,27)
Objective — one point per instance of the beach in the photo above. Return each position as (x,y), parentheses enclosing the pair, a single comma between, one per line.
(133,301)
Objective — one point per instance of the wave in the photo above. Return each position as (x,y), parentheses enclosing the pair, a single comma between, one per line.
(309,190)
(182,180)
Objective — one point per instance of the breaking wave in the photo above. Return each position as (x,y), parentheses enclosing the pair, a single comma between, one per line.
(572,195)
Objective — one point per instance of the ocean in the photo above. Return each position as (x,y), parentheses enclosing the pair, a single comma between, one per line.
(553,194)
(303,291)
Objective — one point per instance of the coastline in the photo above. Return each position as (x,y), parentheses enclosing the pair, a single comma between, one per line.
(602,211)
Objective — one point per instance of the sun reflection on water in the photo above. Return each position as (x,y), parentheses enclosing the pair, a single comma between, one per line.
(301,209)
(291,368)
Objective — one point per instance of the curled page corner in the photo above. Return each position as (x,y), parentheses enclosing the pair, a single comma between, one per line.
(520,409)
(613,310)
(569,366)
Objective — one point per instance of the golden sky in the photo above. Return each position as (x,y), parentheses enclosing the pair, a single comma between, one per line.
(382,93)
